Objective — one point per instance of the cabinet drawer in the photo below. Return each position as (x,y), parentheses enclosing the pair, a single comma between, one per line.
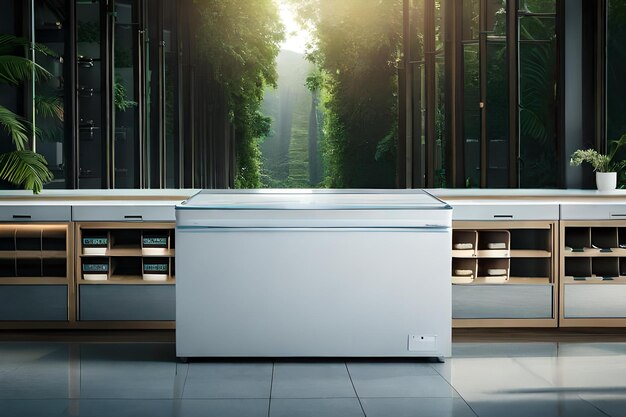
(127,302)
(33,303)
(501,301)
(482,212)
(595,301)
(593,211)
(122,213)
(35,213)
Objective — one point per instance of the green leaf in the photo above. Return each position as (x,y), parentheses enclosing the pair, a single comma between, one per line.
(49,106)
(16,69)
(25,169)
(15,126)
(8,43)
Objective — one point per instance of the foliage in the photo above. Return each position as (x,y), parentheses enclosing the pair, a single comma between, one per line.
(88,32)
(356,46)
(22,167)
(120,96)
(26,169)
(538,101)
(601,162)
(49,106)
(238,43)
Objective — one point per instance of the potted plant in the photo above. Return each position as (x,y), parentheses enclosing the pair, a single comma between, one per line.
(605,167)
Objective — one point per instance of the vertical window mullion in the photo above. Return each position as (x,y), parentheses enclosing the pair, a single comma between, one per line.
(513,70)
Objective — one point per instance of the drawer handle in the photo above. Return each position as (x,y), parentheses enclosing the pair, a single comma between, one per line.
(22,216)
(133,217)
(618,215)
(502,216)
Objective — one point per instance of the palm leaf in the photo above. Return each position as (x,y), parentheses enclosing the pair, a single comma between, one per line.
(25,169)
(15,126)
(8,43)
(16,69)
(49,106)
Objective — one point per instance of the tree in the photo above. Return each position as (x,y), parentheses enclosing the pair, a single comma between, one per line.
(22,167)
(357,43)
(238,42)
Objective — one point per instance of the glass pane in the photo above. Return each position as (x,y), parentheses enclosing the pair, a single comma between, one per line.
(537,6)
(125,94)
(89,98)
(441,139)
(497,100)
(51,26)
(419,93)
(537,103)
(171,94)
(616,68)
(471,20)
(337,71)
(471,114)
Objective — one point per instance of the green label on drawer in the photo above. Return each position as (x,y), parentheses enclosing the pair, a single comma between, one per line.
(95,267)
(95,241)
(156,242)
(155,268)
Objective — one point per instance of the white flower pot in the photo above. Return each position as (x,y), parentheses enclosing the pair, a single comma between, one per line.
(606,181)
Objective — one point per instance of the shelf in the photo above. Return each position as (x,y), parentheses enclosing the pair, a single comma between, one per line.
(32,281)
(124,280)
(463,253)
(528,253)
(493,253)
(511,281)
(621,280)
(34,254)
(587,252)
(135,252)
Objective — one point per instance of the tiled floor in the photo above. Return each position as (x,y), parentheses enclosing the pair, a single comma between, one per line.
(144,379)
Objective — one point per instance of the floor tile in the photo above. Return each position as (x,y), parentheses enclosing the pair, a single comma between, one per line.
(503,350)
(44,378)
(490,375)
(167,408)
(120,408)
(228,380)
(311,380)
(131,371)
(612,404)
(580,373)
(416,407)
(224,408)
(398,380)
(525,405)
(326,407)
(32,408)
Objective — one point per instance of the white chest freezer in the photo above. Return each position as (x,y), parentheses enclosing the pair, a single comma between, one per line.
(323,273)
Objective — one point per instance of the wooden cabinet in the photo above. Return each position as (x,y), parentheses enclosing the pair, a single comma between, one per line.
(593,273)
(504,274)
(36,275)
(126,274)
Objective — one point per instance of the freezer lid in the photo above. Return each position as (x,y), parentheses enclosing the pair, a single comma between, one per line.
(313,199)
(314,208)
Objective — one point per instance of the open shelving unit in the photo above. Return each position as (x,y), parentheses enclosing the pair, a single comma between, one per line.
(504,273)
(36,274)
(593,274)
(126,274)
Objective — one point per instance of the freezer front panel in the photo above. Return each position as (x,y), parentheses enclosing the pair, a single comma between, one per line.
(275,292)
